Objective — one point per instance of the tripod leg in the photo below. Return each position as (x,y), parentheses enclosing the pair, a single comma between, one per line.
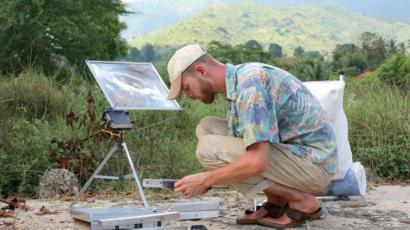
(96,172)
(135,175)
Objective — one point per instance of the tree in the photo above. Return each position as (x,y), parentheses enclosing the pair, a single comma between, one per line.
(374,49)
(355,65)
(392,47)
(348,58)
(275,50)
(311,70)
(57,33)
(254,44)
(221,51)
(238,54)
(135,54)
(401,48)
(298,52)
(408,44)
(148,53)
(343,50)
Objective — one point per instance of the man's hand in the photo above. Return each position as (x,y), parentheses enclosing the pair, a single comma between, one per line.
(253,163)
(193,185)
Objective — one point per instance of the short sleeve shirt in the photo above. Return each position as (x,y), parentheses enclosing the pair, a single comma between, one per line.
(266,103)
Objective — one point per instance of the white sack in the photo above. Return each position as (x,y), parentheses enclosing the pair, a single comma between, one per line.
(330,96)
(360,174)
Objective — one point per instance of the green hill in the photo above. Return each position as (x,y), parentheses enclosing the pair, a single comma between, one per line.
(312,27)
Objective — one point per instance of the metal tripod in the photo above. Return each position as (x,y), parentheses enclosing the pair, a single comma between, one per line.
(121,145)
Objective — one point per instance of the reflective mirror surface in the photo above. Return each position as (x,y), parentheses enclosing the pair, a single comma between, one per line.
(132,85)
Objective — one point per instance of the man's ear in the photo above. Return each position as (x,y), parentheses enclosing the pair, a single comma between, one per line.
(201,70)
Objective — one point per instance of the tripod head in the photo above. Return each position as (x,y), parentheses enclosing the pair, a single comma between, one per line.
(117,119)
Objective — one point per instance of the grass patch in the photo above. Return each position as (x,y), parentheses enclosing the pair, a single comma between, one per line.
(379,127)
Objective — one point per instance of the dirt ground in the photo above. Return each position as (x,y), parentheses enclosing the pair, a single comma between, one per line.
(383,207)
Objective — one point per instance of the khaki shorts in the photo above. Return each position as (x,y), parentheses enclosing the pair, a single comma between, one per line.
(216,149)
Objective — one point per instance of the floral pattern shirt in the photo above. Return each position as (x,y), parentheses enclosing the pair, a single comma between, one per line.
(266,103)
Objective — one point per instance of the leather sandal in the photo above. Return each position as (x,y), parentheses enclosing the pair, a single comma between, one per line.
(266,210)
(298,218)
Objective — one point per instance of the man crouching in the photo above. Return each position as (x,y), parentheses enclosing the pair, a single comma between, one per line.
(276,138)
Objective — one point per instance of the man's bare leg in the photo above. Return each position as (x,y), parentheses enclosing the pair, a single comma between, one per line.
(275,199)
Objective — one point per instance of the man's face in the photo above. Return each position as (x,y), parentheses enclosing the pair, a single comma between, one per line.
(195,87)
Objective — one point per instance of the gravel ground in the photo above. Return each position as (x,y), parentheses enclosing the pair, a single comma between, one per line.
(383,207)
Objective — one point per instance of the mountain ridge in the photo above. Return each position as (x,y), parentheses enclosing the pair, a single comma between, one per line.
(312,27)
(150,15)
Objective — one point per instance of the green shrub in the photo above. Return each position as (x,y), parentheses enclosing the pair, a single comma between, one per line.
(379,127)
(24,155)
(32,95)
(395,72)
(32,114)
